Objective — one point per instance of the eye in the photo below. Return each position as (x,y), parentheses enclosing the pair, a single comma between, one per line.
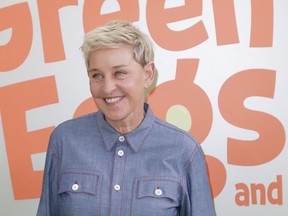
(96,76)
(119,74)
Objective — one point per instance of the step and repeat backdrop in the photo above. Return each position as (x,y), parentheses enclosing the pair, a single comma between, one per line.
(222,75)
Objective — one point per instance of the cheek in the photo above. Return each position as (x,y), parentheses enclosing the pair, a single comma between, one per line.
(133,88)
(136,92)
(136,83)
(94,89)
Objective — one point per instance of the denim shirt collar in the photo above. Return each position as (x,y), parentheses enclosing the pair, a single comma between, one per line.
(134,138)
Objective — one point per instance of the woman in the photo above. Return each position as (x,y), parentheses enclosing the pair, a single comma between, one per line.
(122,160)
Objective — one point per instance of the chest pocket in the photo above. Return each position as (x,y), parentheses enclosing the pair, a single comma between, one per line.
(79,191)
(156,197)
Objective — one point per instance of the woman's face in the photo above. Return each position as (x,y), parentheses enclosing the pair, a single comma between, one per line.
(118,83)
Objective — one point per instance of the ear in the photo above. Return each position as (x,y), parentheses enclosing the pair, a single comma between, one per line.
(149,74)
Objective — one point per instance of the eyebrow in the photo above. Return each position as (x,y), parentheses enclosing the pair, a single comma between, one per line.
(114,67)
(92,70)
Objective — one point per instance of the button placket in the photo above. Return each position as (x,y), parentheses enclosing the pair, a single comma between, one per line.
(117,187)
(120,152)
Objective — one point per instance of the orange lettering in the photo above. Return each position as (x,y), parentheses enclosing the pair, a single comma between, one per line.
(88,106)
(245,84)
(244,194)
(217,175)
(258,193)
(262,192)
(278,188)
(93,16)
(262,23)
(185,92)
(225,22)
(51,29)
(158,17)
(21,39)
(15,100)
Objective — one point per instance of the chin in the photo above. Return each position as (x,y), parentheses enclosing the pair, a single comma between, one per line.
(113,117)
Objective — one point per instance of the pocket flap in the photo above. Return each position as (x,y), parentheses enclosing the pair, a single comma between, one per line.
(79,181)
(158,189)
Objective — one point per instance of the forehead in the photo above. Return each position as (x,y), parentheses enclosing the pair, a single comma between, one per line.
(111,56)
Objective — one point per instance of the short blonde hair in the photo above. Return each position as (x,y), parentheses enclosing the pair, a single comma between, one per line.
(115,34)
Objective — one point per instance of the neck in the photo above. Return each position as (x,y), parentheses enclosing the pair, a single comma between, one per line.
(126,126)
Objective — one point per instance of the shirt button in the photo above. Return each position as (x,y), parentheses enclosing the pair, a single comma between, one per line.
(75,187)
(158,192)
(121,138)
(117,187)
(120,153)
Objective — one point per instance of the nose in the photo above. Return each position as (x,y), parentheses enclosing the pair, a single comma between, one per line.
(109,86)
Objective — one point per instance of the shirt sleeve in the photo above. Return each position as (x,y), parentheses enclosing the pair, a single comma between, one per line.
(197,199)
(49,205)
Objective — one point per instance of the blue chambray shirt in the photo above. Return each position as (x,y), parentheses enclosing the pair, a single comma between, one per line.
(91,169)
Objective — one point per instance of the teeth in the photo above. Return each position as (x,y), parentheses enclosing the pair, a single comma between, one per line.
(112,100)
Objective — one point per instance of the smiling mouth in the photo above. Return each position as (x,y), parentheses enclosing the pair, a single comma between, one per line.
(112,100)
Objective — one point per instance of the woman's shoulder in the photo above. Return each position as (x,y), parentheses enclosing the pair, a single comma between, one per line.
(174,131)
(85,121)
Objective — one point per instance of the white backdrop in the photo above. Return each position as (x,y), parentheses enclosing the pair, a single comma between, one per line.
(240,62)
